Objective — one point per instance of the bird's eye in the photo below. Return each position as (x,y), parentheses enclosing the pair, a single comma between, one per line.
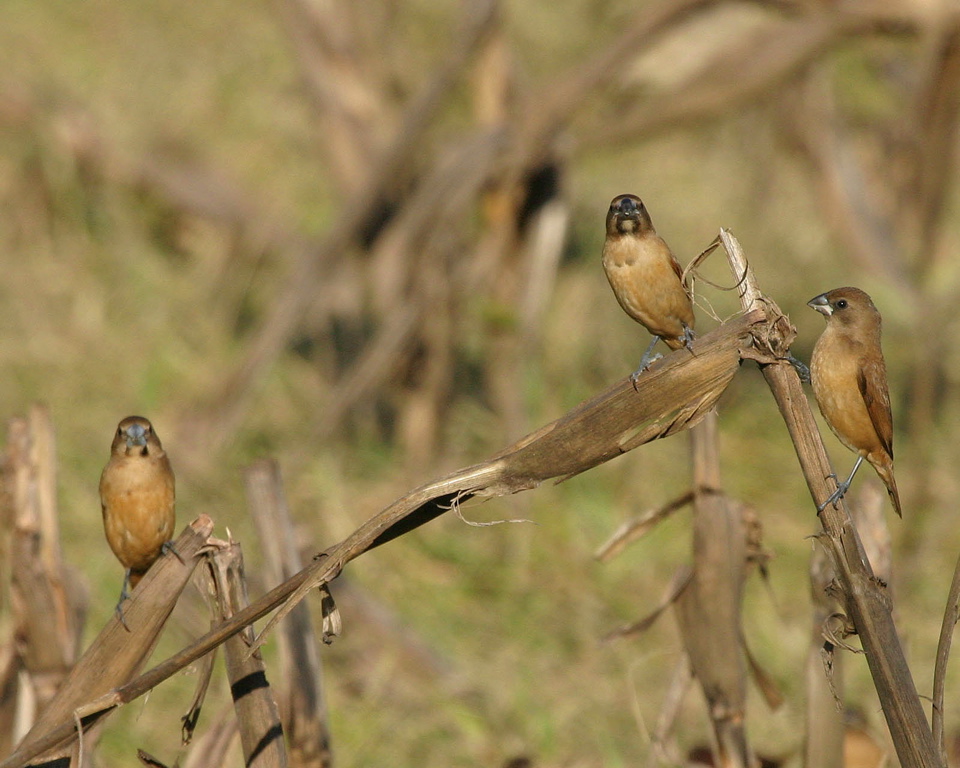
(842,304)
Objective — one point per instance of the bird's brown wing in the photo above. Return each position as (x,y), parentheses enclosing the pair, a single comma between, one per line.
(872,380)
(675,264)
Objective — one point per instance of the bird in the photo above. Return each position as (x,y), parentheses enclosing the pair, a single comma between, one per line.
(138,499)
(646,277)
(849,378)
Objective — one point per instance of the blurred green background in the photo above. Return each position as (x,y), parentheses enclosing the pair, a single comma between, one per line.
(165,168)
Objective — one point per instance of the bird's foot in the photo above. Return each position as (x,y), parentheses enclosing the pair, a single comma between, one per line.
(834,497)
(645,363)
(801,368)
(167,546)
(688,338)
(841,487)
(119,611)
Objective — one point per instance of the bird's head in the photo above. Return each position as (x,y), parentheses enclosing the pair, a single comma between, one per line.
(134,435)
(845,306)
(628,214)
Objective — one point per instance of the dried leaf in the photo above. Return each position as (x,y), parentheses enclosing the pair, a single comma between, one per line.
(673,394)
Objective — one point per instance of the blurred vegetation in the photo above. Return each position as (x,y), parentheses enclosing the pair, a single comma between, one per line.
(163,167)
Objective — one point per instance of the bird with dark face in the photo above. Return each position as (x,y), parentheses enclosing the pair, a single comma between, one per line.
(137,495)
(849,379)
(645,277)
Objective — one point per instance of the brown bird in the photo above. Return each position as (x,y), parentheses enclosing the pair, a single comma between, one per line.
(849,379)
(645,277)
(137,494)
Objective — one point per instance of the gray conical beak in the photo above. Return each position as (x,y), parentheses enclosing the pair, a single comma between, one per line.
(136,435)
(821,304)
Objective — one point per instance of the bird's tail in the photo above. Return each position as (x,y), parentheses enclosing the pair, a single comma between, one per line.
(886,474)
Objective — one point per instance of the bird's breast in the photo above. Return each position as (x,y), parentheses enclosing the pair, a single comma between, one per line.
(834,374)
(137,495)
(642,275)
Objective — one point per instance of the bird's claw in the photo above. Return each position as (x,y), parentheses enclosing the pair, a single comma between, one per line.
(168,546)
(645,363)
(803,371)
(834,497)
(648,361)
(119,611)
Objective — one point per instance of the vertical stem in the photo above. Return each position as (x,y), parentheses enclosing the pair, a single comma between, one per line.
(708,610)
(943,653)
(868,602)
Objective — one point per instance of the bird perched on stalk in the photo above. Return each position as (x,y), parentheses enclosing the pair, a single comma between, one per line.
(137,495)
(645,277)
(849,379)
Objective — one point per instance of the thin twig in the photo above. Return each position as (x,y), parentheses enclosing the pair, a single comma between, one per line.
(636,527)
(950,616)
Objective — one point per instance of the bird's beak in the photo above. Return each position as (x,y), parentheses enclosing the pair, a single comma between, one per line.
(136,435)
(821,304)
(628,209)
